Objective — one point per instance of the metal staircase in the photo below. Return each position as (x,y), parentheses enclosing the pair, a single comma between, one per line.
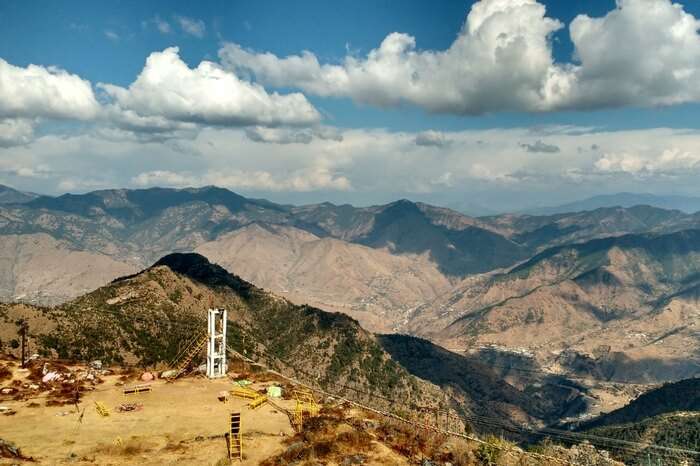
(184,358)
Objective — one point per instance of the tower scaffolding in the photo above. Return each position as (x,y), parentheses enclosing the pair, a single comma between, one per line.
(216,345)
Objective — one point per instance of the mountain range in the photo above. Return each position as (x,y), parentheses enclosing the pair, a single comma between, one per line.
(590,293)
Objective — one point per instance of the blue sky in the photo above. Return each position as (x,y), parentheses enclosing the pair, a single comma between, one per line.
(109,43)
(72,35)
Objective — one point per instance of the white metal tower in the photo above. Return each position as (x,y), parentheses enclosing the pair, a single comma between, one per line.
(216,344)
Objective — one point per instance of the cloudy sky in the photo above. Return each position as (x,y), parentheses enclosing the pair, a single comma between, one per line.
(502,104)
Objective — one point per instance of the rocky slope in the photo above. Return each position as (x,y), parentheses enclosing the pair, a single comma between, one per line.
(38,268)
(371,285)
(627,305)
(132,228)
(146,318)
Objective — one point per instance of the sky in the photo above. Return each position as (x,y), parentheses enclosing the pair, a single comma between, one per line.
(479,105)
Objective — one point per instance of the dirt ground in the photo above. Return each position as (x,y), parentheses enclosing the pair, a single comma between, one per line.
(181,422)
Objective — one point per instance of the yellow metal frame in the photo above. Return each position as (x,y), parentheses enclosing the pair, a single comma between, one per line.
(245,393)
(258,402)
(305,404)
(101,409)
(235,437)
(136,389)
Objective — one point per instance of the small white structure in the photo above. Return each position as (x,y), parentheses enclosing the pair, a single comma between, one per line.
(216,344)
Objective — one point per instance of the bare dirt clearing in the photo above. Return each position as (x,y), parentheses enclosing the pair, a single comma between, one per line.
(181,422)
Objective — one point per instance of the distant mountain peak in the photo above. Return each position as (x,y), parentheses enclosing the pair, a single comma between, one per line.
(10,195)
(687,204)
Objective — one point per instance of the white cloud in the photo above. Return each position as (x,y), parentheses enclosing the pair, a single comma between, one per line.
(644,52)
(161,25)
(37,91)
(111,35)
(14,132)
(191,26)
(164,178)
(327,133)
(293,135)
(367,166)
(672,161)
(168,89)
(79,184)
(312,179)
(500,60)
(278,135)
(431,138)
(540,146)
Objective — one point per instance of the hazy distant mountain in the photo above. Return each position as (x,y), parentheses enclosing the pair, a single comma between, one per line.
(470,208)
(541,231)
(12,196)
(686,204)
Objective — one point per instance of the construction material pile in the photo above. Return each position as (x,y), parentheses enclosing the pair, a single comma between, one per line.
(59,383)
(128,407)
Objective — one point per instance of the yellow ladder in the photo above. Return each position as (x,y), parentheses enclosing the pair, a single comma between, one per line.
(235,438)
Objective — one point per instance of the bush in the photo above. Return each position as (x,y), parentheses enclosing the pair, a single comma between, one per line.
(489,453)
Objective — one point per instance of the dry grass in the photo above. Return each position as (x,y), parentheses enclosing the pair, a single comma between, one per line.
(5,373)
(325,438)
(133,446)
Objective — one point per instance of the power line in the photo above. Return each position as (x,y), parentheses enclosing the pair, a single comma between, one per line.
(607,442)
